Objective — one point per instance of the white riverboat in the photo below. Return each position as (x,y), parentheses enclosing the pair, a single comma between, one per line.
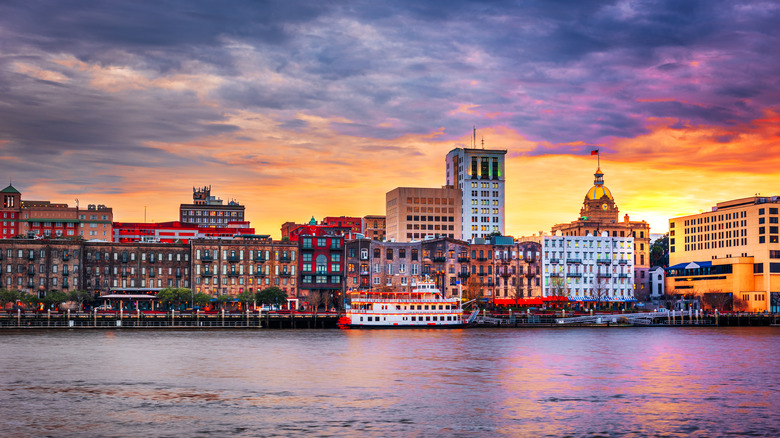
(423,307)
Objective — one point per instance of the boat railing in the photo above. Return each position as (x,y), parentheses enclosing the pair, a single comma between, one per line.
(410,300)
(410,312)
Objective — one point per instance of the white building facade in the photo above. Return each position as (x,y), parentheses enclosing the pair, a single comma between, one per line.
(588,268)
(479,173)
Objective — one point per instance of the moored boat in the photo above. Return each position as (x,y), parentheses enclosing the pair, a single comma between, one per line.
(422,307)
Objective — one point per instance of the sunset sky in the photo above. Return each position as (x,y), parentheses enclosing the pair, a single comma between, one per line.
(318,108)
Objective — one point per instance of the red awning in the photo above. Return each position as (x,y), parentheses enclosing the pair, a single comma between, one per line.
(555,299)
(519,302)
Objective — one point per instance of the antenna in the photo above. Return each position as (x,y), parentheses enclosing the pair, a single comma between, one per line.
(483,142)
(474,138)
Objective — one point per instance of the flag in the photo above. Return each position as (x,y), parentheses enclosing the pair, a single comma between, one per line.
(594,152)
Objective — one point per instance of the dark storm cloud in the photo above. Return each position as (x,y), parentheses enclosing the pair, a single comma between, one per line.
(555,71)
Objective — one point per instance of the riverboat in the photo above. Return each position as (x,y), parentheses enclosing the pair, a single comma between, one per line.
(423,307)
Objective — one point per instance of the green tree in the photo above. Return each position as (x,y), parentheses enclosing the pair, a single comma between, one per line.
(8,296)
(54,299)
(31,300)
(223,299)
(659,251)
(202,299)
(272,296)
(557,287)
(246,297)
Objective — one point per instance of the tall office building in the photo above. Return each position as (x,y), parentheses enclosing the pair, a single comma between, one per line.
(479,173)
(415,213)
(209,211)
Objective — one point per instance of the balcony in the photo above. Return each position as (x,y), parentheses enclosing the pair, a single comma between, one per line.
(530,260)
(481,274)
(464,274)
(481,259)
(604,261)
(439,259)
(530,274)
(285,274)
(233,259)
(364,273)
(622,275)
(285,259)
(506,274)
(202,274)
(463,259)
(555,274)
(574,274)
(490,284)
(232,274)
(555,261)
(607,275)
(205,258)
(65,257)
(623,262)
(260,274)
(573,260)
(260,259)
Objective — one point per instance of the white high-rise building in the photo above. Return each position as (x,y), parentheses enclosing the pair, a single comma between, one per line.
(479,173)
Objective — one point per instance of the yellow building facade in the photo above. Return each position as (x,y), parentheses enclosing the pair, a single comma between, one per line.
(732,249)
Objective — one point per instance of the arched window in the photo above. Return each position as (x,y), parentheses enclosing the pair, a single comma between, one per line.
(322,264)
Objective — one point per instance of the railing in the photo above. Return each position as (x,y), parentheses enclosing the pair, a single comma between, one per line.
(555,261)
(573,260)
(623,262)
(464,274)
(482,259)
(260,259)
(285,274)
(574,274)
(463,259)
(232,259)
(202,274)
(604,261)
(439,259)
(205,258)
(606,275)
(622,275)
(232,274)
(284,259)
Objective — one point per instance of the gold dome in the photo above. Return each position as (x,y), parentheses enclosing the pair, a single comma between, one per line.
(597,191)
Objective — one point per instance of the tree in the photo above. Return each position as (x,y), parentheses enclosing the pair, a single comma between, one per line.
(246,297)
(557,287)
(659,251)
(54,299)
(31,300)
(273,296)
(517,294)
(316,298)
(739,304)
(201,299)
(79,297)
(473,289)
(599,290)
(716,300)
(8,296)
(223,299)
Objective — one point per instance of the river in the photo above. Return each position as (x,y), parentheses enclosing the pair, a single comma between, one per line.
(691,382)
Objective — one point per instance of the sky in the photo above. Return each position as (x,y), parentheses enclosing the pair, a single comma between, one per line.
(300,109)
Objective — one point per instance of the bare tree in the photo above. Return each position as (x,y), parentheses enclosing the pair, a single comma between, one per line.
(315,298)
(716,300)
(517,293)
(473,289)
(557,287)
(599,290)
(739,304)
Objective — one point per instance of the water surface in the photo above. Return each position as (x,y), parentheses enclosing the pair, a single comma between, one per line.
(480,382)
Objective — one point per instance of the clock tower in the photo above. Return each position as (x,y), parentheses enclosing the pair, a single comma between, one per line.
(599,205)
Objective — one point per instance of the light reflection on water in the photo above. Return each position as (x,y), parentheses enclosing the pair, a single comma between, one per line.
(510,382)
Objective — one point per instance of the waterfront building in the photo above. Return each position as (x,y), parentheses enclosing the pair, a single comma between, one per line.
(209,211)
(44,219)
(320,265)
(134,268)
(291,230)
(733,249)
(415,213)
(374,227)
(251,263)
(588,268)
(657,282)
(599,214)
(479,174)
(39,266)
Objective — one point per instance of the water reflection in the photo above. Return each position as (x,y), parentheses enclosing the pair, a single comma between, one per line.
(534,382)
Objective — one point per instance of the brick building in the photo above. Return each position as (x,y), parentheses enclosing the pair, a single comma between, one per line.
(38,266)
(374,227)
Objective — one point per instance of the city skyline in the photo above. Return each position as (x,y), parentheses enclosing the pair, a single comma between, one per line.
(300,110)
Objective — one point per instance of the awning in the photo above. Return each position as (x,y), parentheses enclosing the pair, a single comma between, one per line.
(518,302)
(127,296)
